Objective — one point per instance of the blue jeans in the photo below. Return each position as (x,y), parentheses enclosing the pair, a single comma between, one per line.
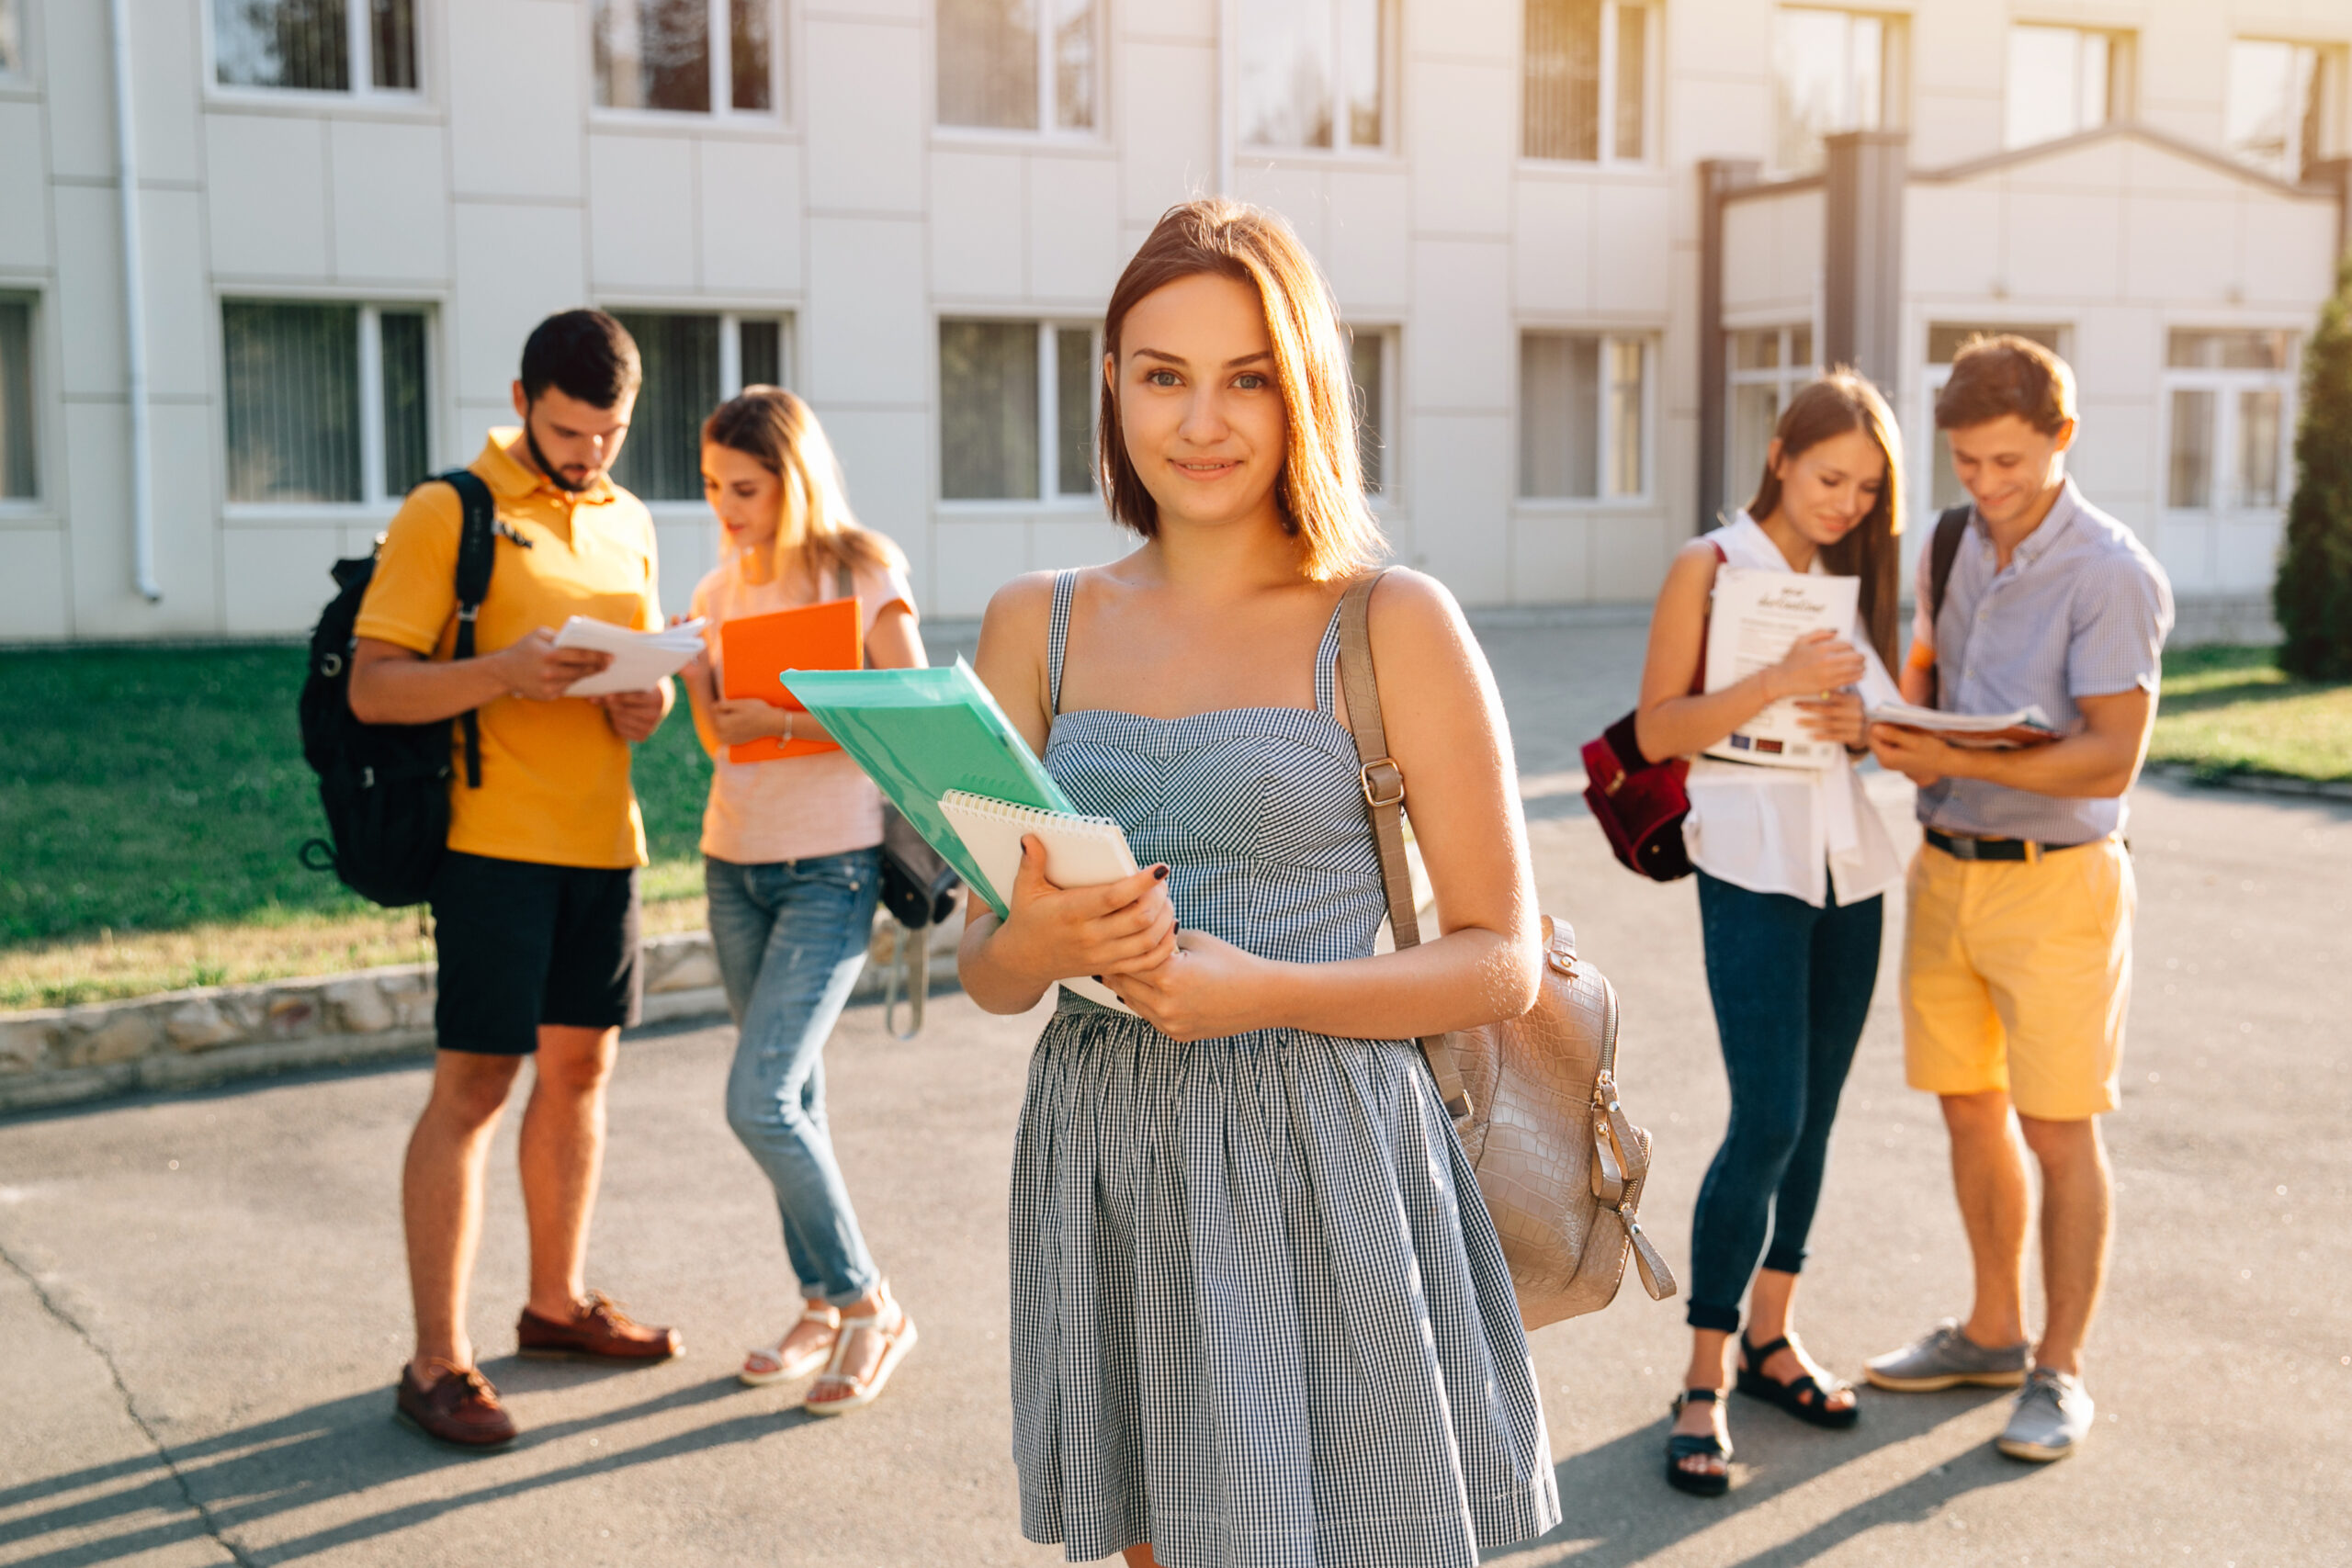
(791,938)
(1792,985)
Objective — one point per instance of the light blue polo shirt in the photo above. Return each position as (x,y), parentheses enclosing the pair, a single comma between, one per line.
(2082,610)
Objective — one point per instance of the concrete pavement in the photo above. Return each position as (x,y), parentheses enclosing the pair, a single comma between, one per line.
(204,1304)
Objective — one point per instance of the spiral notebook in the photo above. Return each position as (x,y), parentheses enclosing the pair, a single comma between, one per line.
(1080,852)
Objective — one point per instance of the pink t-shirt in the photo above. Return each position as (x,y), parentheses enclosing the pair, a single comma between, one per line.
(789,808)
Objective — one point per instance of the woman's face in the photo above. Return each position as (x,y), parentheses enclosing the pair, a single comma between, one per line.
(1827,488)
(1199,406)
(746,497)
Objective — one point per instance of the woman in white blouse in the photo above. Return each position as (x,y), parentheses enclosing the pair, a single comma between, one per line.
(1792,864)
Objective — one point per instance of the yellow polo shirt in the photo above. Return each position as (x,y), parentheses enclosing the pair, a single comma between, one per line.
(555,785)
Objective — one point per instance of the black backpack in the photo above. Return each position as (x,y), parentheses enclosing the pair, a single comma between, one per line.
(385,788)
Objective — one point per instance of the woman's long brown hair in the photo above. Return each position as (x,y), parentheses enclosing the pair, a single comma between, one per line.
(1321,489)
(1840,402)
(776,430)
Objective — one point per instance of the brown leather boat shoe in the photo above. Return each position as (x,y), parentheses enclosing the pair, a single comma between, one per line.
(461,1407)
(599,1330)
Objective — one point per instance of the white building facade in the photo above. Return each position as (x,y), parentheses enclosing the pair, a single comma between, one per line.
(1581,246)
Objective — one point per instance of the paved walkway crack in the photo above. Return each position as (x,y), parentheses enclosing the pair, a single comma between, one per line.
(49,1304)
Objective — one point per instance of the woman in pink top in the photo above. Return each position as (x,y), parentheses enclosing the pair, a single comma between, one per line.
(792,859)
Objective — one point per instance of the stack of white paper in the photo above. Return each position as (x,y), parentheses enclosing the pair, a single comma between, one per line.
(1975,731)
(1757,615)
(642,660)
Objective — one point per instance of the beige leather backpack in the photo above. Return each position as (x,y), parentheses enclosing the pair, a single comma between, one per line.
(1534,1097)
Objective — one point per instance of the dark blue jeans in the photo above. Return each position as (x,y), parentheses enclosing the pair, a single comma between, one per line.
(1792,985)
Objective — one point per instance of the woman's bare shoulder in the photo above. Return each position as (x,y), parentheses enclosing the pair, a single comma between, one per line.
(1025,604)
(1412,612)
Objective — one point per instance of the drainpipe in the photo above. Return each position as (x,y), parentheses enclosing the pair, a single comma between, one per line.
(134,313)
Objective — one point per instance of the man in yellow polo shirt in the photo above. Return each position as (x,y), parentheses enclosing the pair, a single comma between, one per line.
(536,904)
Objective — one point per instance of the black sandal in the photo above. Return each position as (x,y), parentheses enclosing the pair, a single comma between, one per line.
(1803,1398)
(1680,1445)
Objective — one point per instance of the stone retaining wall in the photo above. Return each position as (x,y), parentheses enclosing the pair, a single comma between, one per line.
(56,1055)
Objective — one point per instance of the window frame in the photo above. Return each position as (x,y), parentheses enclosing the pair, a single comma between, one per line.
(17,77)
(2330,85)
(374,500)
(1383,499)
(1048,126)
(2122,60)
(1050,497)
(1604,433)
(1893,75)
(1390,75)
(359,60)
(1606,108)
(39,503)
(1786,377)
(730,359)
(722,48)
(2227,504)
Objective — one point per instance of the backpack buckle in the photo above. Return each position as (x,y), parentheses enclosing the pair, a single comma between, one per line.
(1386,791)
(468,611)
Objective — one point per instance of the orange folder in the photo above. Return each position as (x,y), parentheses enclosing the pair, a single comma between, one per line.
(755,650)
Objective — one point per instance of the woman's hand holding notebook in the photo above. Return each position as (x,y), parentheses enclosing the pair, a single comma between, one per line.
(1080,852)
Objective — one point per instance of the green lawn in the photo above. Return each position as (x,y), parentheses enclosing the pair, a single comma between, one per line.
(2231,710)
(152,803)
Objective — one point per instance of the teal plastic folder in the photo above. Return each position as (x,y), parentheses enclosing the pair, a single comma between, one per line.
(920,733)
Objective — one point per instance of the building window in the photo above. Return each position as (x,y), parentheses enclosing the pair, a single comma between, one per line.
(1768,366)
(317,46)
(12,37)
(2063,81)
(687,56)
(1369,356)
(1946,339)
(692,362)
(1017,401)
(19,455)
(326,403)
(2276,118)
(1585,81)
(2226,396)
(1582,406)
(1312,72)
(1015,65)
(1833,71)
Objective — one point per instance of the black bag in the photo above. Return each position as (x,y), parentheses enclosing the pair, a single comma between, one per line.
(917,889)
(385,788)
(1943,549)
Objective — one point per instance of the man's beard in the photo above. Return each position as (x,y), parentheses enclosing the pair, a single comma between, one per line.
(555,475)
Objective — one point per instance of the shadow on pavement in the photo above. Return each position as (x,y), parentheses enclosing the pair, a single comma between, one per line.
(338,1450)
(1620,1510)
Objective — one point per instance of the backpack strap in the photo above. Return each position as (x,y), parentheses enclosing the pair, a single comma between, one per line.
(477,553)
(1942,550)
(1383,794)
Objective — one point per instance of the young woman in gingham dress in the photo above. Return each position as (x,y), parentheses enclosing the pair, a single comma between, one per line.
(1259,1316)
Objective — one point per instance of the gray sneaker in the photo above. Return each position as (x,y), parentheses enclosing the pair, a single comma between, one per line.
(1946,1359)
(2053,1417)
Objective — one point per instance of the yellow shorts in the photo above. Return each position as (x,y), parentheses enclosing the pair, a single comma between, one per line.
(2016,975)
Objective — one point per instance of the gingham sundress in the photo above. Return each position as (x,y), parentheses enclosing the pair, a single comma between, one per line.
(1259,1316)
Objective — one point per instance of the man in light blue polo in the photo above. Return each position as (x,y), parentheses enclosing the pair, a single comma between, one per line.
(2017,965)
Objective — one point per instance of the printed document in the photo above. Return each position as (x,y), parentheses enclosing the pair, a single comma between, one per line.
(642,660)
(1972,732)
(1758,614)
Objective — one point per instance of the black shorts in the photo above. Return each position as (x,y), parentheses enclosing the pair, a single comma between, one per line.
(523,944)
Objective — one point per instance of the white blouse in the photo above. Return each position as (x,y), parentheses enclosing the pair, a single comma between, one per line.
(1794,830)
